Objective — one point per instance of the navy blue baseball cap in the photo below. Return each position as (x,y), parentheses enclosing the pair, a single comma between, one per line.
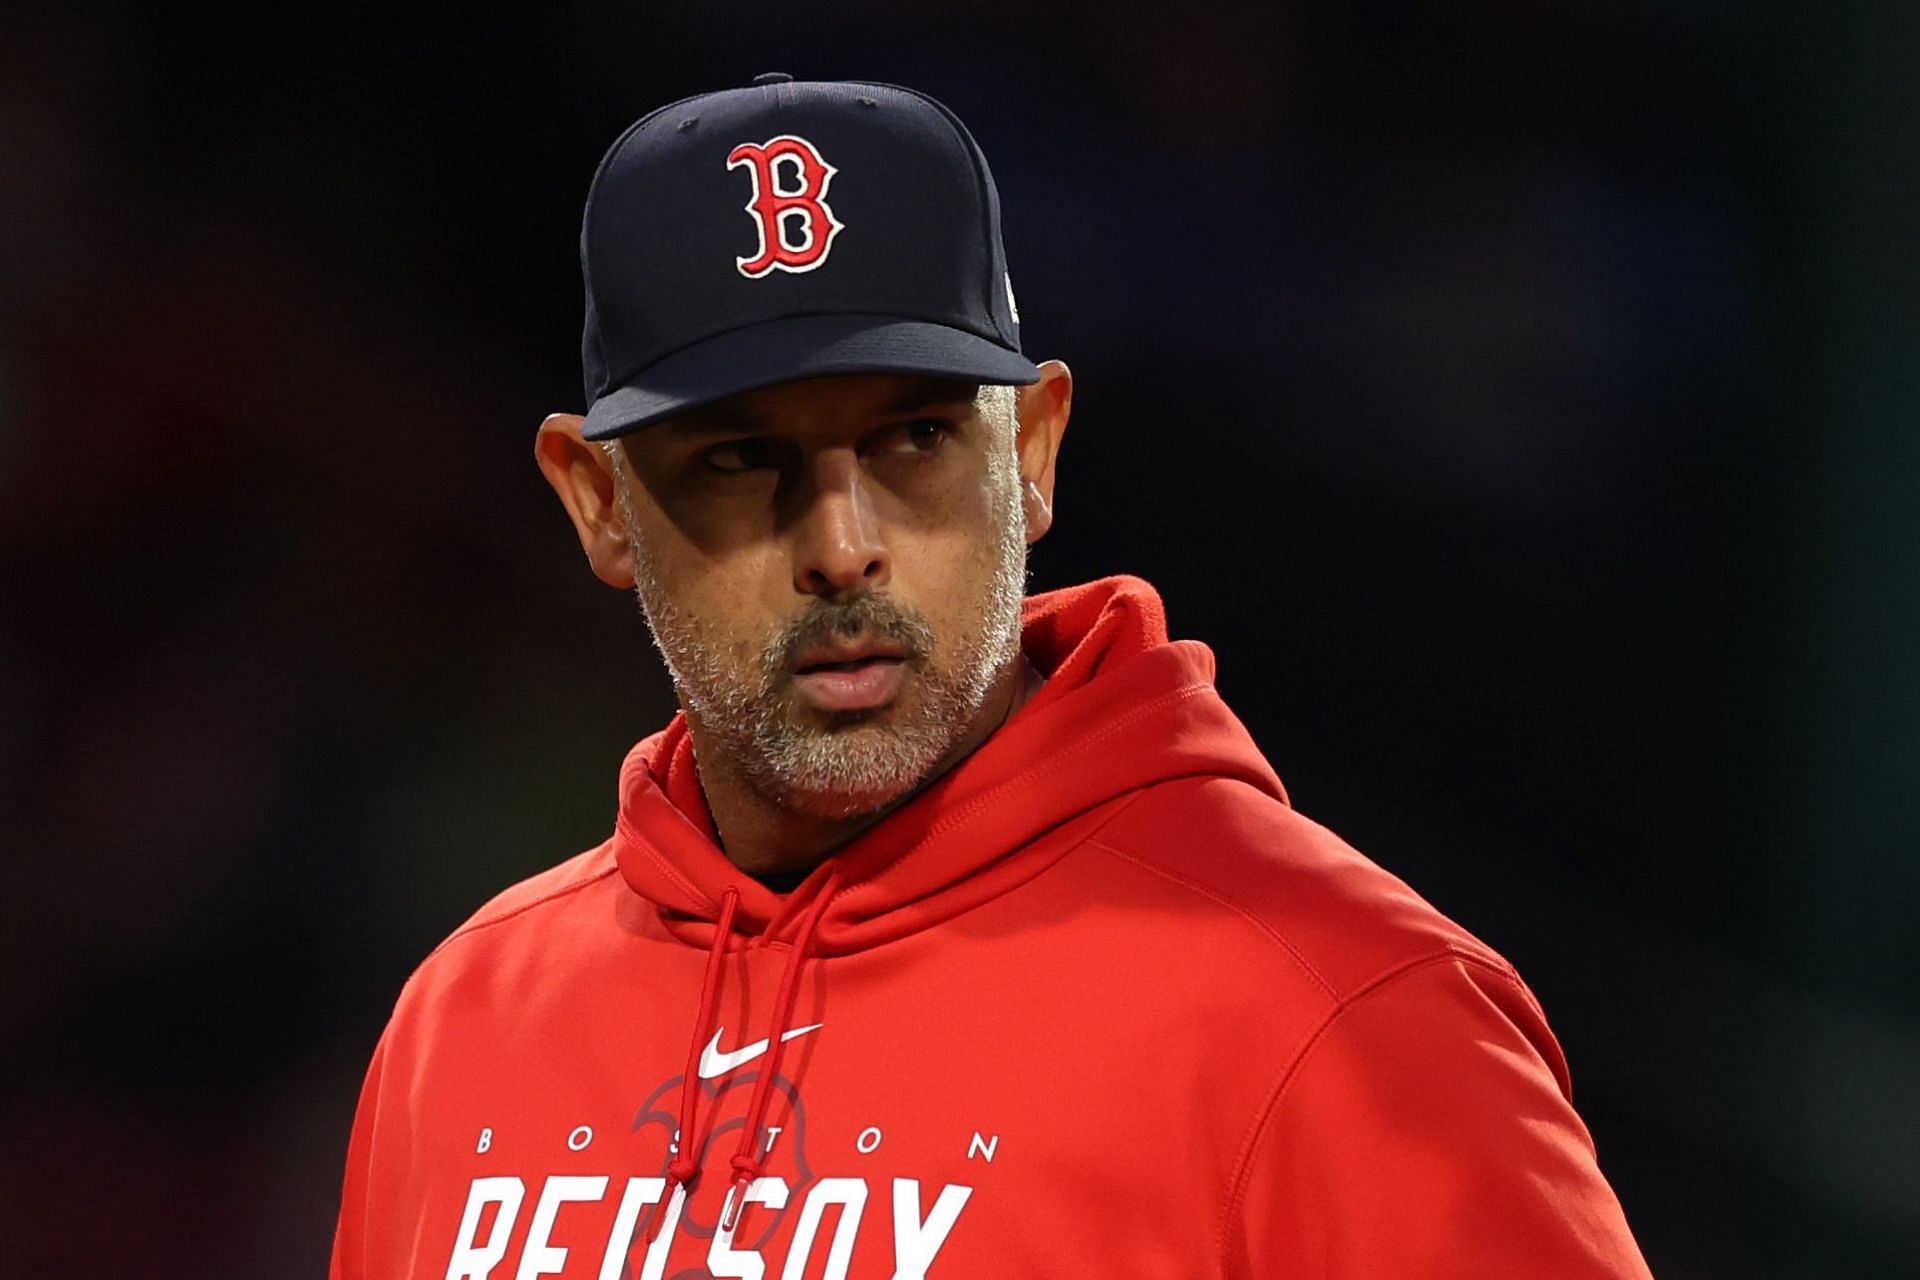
(785,230)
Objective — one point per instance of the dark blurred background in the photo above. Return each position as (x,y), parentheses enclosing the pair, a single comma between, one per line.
(1517,395)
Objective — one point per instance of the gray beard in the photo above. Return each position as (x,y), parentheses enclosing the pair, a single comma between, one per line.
(863,764)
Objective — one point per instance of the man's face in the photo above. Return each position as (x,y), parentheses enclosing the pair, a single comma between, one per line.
(833,570)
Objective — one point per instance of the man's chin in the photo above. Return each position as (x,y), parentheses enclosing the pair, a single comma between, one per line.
(844,770)
(867,738)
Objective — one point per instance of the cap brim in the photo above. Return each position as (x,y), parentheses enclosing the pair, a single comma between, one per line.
(800,347)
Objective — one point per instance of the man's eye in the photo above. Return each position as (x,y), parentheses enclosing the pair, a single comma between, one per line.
(735,457)
(921,436)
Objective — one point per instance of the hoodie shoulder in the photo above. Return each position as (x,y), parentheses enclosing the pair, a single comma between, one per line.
(523,900)
(519,951)
(1347,919)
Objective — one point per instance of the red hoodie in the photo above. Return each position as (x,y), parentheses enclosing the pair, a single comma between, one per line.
(1097,1002)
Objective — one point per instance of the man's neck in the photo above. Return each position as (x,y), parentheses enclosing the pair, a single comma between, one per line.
(760,836)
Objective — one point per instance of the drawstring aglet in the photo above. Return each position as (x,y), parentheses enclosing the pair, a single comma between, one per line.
(680,1173)
(659,1211)
(736,1201)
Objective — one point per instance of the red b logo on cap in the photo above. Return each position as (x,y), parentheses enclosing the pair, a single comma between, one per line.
(795,226)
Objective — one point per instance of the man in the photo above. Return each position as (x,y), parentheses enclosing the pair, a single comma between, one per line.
(943,933)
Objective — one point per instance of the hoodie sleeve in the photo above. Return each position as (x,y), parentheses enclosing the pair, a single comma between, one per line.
(1428,1130)
(350,1234)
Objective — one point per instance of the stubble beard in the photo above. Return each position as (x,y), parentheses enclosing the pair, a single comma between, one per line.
(858,762)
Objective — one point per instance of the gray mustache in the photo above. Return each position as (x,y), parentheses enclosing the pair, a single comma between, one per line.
(867,614)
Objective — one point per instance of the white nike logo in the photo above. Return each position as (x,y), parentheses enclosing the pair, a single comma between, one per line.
(715,1063)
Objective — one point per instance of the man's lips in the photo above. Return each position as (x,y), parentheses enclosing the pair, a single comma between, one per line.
(850,675)
(845,653)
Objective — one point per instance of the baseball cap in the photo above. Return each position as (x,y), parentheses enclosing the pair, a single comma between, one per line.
(790,229)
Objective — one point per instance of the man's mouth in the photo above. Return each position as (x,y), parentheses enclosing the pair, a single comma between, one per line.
(843,675)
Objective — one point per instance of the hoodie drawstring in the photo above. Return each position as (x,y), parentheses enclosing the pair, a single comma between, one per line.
(746,1160)
(685,1165)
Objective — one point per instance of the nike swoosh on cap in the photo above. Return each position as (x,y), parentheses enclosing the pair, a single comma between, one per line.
(715,1063)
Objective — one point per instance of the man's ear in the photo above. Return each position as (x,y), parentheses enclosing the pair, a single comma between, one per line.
(582,474)
(1044,409)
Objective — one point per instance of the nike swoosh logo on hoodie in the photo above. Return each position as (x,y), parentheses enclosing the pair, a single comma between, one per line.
(715,1063)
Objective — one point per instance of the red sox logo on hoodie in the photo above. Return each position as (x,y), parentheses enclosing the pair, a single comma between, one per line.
(794,223)
(800,1217)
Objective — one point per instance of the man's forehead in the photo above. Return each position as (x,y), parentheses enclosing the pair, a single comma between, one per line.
(822,400)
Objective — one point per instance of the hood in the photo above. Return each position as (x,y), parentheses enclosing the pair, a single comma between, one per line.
(1123,708)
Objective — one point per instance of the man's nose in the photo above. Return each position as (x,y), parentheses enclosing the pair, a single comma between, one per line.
(839,550)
